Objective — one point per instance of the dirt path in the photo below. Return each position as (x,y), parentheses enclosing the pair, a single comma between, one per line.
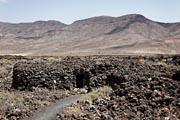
(49,113)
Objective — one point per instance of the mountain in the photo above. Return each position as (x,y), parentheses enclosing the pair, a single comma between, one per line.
(129,34)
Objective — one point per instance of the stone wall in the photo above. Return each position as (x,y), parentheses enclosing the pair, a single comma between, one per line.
(62,74)
(42,74)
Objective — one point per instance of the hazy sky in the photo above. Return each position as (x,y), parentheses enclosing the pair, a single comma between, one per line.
(68,11)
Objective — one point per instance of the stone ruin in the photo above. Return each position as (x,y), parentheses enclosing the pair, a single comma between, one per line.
(27,75)
(67,74)
(62,75)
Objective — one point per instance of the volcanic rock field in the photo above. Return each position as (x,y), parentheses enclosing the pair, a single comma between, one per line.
(143,87)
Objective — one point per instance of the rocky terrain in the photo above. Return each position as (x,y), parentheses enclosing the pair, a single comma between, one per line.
(102,35)
(143,87)
(16,104)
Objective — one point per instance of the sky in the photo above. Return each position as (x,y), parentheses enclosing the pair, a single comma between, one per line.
(68,11)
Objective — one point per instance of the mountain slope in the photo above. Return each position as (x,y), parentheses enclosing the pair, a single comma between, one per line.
(129,34)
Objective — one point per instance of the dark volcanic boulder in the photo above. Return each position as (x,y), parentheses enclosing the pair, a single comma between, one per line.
(115,79)
(176,59)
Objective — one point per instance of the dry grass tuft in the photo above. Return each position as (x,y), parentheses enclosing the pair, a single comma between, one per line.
(2,111)
(162,63)
(3,72)
(73,110)
(8,99)
(99,61)
(6,61)
(102,92)
(53,59)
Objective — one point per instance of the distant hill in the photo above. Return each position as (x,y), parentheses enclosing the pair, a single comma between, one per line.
(129,34)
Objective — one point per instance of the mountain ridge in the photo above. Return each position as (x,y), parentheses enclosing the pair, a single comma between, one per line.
(128,34)
(100,16)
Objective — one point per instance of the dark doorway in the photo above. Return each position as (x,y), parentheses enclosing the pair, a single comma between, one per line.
(82,78)
(176,76)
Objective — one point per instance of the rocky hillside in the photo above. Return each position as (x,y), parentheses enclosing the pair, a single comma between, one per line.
(129,34)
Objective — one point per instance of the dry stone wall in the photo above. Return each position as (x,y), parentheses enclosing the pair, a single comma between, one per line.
(103,70)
